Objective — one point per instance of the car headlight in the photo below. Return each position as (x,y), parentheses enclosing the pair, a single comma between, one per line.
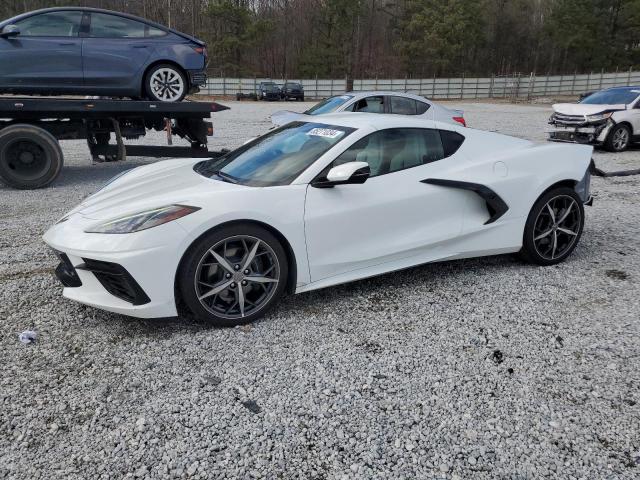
(599,117)
(143,220)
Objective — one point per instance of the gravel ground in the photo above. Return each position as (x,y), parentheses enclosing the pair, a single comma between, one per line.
(473,369)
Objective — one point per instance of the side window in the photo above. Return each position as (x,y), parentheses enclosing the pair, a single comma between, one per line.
(451,142)
(369,105)
(388,151)
(155,32)
(403,106)
(104,25)
(421,107)
(52,24)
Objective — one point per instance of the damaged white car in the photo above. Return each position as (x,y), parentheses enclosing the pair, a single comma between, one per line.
(609,118)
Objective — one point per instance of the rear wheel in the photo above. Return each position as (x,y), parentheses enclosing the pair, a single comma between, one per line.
(618,139)
(553,228)
(233,275)
(165,83)
(30,157)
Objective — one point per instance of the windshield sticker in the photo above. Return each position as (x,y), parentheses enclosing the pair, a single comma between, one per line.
(325,132)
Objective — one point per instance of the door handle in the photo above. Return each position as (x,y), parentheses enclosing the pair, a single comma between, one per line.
(139,46)
(66,44)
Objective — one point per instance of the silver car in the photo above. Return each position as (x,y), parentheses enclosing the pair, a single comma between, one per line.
(378,102)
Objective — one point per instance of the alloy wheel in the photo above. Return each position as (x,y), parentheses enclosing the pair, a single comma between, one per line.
(237,277)
(620,138)
(557,227)
(167,85)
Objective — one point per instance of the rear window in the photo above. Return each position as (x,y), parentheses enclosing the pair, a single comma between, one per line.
(451,142)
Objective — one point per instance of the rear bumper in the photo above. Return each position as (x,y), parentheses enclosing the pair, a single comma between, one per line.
(197,79)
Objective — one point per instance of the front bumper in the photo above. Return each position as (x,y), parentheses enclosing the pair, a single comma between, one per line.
(131,274)
(588,134)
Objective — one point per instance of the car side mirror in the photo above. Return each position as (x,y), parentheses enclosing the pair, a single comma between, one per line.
(346,174)
(10,31)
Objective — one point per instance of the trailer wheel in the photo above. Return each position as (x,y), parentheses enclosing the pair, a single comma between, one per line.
(30,157)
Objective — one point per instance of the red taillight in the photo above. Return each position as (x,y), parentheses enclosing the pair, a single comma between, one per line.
(201,50)
(460,120)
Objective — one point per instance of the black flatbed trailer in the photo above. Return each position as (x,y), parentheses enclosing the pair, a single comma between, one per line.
(31,128)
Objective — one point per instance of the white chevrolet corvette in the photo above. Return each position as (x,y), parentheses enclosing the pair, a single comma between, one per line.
(315,204)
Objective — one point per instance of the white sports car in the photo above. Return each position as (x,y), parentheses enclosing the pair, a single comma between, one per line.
(315,204)
(396,103)
(608,118)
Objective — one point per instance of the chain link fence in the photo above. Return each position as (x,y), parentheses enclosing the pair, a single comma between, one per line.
(514,87)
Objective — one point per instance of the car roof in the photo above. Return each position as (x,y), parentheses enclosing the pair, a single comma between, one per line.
(376,121)
(367,93)
(100,10)
(625,87)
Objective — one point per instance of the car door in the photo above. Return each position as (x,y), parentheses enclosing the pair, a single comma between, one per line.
(45,56)
(115,54)
(393,215)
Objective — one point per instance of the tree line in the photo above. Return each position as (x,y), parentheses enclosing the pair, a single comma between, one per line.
(394,38)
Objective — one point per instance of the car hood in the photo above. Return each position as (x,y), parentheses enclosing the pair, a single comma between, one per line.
(584,109)
(151,186)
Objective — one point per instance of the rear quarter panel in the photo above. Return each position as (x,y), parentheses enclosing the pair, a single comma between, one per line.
(519,170)
(179,50)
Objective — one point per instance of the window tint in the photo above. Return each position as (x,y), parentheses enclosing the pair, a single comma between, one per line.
(392,150)
(111,26)
(451,142)
(403,106)
(369,105)
(421,107)
(52,24)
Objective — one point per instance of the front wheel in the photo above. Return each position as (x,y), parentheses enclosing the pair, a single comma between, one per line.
(234,275)
(165,83)
(553,228)
(618,139)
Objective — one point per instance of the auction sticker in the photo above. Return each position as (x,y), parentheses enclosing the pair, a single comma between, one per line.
(325,132)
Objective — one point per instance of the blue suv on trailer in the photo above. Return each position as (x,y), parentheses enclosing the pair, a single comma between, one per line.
(89,51)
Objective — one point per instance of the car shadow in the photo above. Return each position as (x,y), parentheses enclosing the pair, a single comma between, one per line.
(319,301)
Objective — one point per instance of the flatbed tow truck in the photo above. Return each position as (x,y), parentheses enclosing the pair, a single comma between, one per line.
(31,128)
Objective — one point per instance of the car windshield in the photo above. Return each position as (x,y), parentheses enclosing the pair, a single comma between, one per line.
(613,97)
(276,158)
(328,105)
(270,86)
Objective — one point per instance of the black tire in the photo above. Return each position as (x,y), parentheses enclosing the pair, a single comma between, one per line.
(174,78)
(30,157)
(543,227)
(619,138)
(200,271)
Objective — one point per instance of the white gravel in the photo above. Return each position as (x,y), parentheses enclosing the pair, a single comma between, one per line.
(472,369)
